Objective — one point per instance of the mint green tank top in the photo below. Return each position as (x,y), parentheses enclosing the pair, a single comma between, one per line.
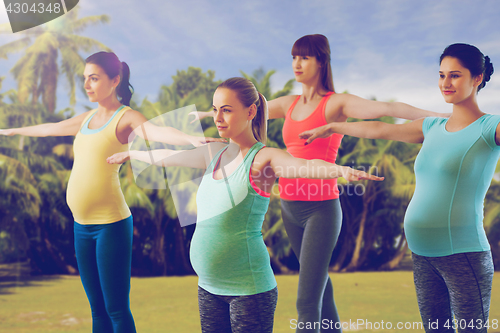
(453,171)
(227,249)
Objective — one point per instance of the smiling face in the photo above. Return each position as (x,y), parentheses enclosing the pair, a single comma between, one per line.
(455,81)
(306,68)
(230,116)
(98,85)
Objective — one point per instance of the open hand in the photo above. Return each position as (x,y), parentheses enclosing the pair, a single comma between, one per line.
(319,132)
(200,140)
(198,115)
(7,132)
(351,174)
(119,158)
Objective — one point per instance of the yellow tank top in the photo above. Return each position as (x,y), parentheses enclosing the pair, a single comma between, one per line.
(94,194)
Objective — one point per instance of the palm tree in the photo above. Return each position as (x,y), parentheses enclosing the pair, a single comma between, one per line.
(262,81)
(382,205)
(19,202)
(38,69)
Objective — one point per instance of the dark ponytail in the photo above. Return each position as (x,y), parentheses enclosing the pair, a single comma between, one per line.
(471,58)
(109,62)
(125,89)
(248,95)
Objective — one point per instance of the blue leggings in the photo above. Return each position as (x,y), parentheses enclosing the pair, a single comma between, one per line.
(104,255)
(313,228)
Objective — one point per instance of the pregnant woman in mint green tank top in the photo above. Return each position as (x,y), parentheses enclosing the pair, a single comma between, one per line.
(452,262)
(236,289)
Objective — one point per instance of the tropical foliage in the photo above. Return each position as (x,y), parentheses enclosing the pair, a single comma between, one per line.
(36,224)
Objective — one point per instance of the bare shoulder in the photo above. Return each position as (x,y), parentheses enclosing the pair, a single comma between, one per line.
(286,101)
(132,115)
(278,107)
(132,119)
(334,107)
(266,154)
(80,117)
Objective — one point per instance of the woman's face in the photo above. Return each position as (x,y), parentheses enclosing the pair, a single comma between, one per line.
(230,116)
(306,68)
(455,81)
(97,84)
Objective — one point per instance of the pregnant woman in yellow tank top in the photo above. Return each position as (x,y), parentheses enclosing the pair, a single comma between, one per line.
(103,222)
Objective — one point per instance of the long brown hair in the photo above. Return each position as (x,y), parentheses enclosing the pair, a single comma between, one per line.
(316,46)
(248,95)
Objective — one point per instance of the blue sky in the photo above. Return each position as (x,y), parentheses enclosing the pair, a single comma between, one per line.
(386,49)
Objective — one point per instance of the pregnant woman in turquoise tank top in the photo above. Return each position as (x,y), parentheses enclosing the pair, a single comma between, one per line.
(236,289)
(452,262)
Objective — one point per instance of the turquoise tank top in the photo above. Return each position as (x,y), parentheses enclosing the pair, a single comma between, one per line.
(453,171)
(227,249)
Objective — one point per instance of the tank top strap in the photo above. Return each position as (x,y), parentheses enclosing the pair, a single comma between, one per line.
(249,157)
(87,119)
(215,160)
(323,101)
(113,122)
(110,124)
(292,106)
(319,108)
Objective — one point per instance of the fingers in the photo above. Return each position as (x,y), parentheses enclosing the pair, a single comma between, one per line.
(215,140)
(355,175)
(372,177)
(363,175)
(309,135)
(117,158)
(305,135)
(195,115)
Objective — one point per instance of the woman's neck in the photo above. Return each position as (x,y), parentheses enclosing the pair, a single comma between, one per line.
(310,92)
(467,110)
(245,140)
(110,104)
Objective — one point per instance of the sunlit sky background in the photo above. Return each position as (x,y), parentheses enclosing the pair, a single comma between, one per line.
(386,49)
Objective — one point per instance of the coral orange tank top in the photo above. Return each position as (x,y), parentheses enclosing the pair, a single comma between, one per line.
(301,189)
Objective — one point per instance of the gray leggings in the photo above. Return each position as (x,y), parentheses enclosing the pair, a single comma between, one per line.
(313,228)
(454,291)
(237,314)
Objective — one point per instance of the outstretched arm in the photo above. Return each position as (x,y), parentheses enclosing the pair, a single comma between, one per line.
(193,158)
(408,132)
(285,165)
(357,107)
(63,128)
(148,131)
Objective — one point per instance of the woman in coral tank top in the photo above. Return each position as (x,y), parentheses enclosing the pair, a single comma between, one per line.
(310,207)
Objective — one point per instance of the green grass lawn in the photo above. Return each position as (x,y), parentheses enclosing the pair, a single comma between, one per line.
(169,304)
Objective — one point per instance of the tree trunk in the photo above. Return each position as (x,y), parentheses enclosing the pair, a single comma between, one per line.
(158,253)
(394,262)
(354,263)
(181,261)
